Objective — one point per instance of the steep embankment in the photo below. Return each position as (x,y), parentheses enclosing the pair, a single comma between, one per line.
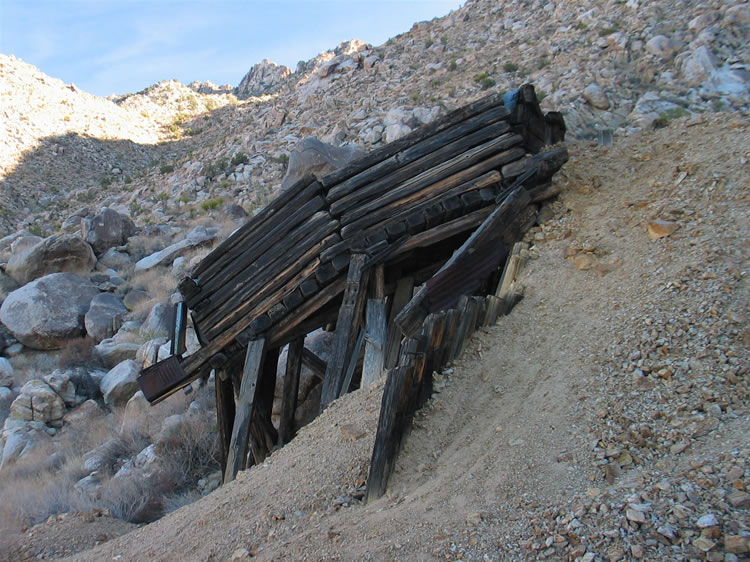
(607,414)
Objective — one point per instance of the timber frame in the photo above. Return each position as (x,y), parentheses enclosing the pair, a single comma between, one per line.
(407,250)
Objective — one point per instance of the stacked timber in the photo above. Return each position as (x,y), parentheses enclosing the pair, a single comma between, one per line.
(304,261)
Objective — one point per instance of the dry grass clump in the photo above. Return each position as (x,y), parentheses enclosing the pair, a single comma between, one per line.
(159,287)
(78,352)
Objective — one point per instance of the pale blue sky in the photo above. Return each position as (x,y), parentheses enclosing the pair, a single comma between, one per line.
(121,46)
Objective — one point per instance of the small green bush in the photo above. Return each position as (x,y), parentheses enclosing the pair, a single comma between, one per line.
(674,113)
(510,67)
(212,204)
(453,65)
(239,158)
(166,169)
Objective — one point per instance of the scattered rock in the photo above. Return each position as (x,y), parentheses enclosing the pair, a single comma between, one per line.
(158,323)
(120,383)
(262,78)
(65,252)
(104,316)
(37,401)
(107,229)
(595,96)
(660,228)
(48,312)
(196,237)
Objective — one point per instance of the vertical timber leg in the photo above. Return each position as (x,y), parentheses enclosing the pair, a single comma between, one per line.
(263,436)
(291,388)
(375,332)
(225,412)
(241,428)
(402,295)
(346,330)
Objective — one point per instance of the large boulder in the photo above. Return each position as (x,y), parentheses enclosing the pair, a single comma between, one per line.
(107,229)
(46,313)
(7,285)
(60,382)
(120,383)
(64,252)
(158,323)
(196,237)
(37,402)
(263,78)
(312,156)
(104,316)
(6,372)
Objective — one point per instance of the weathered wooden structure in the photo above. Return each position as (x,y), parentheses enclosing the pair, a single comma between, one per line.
(439,209)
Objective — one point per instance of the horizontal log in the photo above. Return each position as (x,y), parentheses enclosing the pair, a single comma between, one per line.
(300,191)
(446,169)
(266,247)
(414,160)
(314,363)
(436,157)
(454,117)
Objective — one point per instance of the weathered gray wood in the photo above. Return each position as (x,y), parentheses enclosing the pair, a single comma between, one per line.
(346,330)
(401,296)
(477,257)
(456,116)
(457,170)
(511,270)
(286,202)
(225,413)
(241,427)
(436,157)
(374,342)
(352,364)
(314,363)
(461,322)
(290,390)
(465,327)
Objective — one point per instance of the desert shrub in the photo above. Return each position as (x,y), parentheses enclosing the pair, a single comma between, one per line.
(78,352)
(239,158)
(166,169)
(131,499)
(85,384)
(510,67)
(212,204)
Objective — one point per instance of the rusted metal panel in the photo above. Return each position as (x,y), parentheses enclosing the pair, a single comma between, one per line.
(162,378)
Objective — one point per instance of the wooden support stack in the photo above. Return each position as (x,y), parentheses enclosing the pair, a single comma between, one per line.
(391,220)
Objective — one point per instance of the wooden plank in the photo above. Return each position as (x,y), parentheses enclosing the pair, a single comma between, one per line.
(240,279)
(476,258)
(435,342)
(451,324)
(375,342)
(395,212)
(465,327)
(401,296)
(436,158)
(461,321)
(353,360)
(426,153)
(346,330)
(225,413)
(241,427)
(445,230)
(290,390)
(491,311)
(314,363)
(263,435)
(464,167)
(454,117)
(286,202)
(480,305)
(511,270)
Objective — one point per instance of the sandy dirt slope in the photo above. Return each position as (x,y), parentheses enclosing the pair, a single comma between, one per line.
(515,435)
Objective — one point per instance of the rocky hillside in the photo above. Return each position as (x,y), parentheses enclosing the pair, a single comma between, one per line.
(624,433)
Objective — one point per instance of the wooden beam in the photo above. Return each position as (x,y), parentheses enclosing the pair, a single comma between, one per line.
(374,342)
(314,363)
(225,412)
(263,435)
(290,391)
(346,330)
(353,360)
(241,427)
(401,296)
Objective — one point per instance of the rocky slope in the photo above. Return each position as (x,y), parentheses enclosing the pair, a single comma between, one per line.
(624,434)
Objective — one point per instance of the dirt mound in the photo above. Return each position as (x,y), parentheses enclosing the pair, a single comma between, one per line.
(552,437)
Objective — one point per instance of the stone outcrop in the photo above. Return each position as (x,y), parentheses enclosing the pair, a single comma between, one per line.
(48,312)
(37,401)
(58,253)
(311,155)
(263,78)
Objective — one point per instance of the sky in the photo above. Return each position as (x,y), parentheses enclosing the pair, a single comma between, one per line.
(122,46)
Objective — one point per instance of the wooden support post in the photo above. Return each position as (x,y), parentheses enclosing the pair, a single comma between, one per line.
(401,296)
(224,412)
(241,428)
(291,388)
(349,317)
(263,435)
(353,360)
(375,331)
